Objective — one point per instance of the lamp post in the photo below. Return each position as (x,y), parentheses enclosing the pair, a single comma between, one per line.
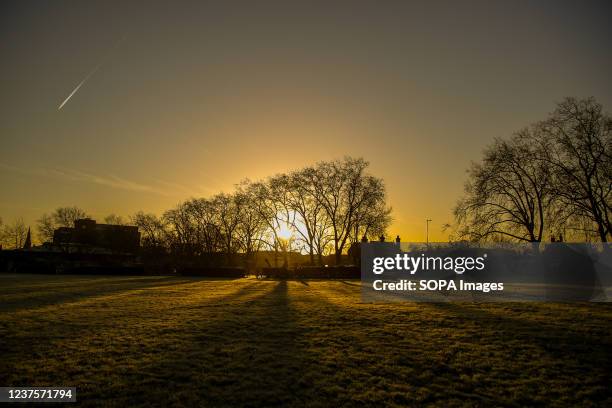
(427,221)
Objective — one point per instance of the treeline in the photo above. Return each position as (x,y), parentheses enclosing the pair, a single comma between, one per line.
(551,180)
(317,210)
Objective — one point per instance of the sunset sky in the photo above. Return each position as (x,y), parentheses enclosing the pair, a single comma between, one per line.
(185,99)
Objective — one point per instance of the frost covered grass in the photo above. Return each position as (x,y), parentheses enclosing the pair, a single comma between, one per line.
(131,341)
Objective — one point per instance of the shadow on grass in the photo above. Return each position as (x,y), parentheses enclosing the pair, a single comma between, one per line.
(558,339)
(501,360)
(16,284)
(280,343)
(356,283)
(242,357)
(93,337)
(39,297)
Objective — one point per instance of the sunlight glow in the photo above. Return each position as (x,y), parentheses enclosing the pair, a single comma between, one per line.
(285,231)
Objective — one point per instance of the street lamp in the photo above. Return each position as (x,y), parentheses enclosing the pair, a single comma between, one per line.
(427,221)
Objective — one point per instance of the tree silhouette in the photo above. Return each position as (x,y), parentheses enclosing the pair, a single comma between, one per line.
(153,231)
(554,175)
(578,140)
(508,194)
(346,192)
(329,204)
(114,219)
(61,217)
(13,235)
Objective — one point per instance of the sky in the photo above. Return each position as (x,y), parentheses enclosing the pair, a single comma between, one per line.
(186,99)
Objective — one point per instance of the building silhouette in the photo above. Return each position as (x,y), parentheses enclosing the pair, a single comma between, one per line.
(89,234)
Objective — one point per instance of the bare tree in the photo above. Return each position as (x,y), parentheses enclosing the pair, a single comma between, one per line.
(323,239)
(252,227)
(153,233)
(508,194)
(114,219)
(268,203)
(181,230)
(225,223)
(61,217)
(371,220)
(302,211)
(205,217)
(323,208)
(578,140)
(13,235)
(46,226)
(66,216)
(345,191)
(230,208)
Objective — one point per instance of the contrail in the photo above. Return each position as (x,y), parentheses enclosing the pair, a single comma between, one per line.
(78,86)
(89,75)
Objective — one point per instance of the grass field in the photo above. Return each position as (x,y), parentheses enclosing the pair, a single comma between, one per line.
(130,341)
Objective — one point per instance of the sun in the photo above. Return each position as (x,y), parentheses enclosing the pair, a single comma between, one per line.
(284,231)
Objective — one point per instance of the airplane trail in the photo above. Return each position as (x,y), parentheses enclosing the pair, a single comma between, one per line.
(74,91)
(77,87)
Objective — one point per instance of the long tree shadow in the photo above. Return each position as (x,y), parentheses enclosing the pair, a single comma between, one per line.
(250,354)
(553,338)
(575,357)
(90,338)
(17,283)
(33,299)
(429,345)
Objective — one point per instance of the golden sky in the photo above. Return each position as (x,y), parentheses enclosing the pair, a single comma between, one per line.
(185,99)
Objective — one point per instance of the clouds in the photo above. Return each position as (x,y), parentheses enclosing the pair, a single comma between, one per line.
(159,187)
(111,181)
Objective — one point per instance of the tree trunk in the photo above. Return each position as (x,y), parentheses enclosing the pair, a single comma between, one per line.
(602,232)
